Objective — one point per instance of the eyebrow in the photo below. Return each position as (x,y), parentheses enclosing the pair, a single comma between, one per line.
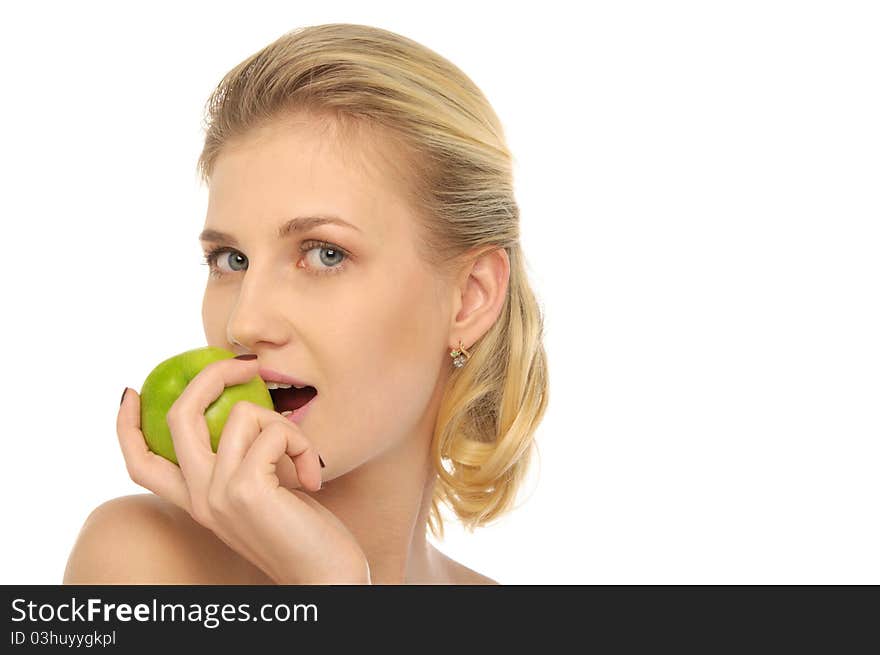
(294,225)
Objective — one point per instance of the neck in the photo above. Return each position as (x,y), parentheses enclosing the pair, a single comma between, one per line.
(385,505)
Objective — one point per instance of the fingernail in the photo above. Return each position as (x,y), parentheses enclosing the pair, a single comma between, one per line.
(246,357)
(322,461)
(123,396)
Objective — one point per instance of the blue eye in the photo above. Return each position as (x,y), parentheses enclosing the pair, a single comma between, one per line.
(331,256)
(212,256)
(334,255)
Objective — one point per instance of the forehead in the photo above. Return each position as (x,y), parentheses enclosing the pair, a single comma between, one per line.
(306,166)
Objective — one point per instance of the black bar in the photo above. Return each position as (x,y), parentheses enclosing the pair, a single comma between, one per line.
(622,617)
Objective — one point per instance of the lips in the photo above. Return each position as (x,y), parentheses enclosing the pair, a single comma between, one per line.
(269,375)
(292,399)
(298,415)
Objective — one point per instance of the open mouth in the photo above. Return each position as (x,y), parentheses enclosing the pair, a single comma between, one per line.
(291,399)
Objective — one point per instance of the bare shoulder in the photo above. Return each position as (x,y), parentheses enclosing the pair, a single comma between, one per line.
(144,539)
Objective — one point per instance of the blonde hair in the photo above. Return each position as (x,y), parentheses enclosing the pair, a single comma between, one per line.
(449,148)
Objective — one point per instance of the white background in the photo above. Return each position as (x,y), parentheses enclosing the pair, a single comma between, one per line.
(699,192)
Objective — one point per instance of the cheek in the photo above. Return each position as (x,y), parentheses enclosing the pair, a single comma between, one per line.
(215,314)
(409,325)
(394,347)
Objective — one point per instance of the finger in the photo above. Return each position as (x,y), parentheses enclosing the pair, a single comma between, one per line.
(239,433)
(145,467)
(285,467)
(186,418)
(274,441)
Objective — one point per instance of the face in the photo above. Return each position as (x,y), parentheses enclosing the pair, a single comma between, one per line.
(352,311)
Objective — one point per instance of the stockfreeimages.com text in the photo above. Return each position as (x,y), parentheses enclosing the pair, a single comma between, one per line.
(210,615)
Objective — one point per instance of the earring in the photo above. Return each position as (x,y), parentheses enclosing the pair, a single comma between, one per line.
(459,356)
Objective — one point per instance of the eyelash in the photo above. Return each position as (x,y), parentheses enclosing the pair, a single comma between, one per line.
(211,256)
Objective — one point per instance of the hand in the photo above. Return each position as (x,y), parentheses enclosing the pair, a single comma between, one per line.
(236,492)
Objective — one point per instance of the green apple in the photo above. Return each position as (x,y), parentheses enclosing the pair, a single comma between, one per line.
(167,381)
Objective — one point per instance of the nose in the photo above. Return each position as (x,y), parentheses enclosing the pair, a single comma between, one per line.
(255,317)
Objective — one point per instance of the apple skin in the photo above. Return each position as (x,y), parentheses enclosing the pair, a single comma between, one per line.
(167,381)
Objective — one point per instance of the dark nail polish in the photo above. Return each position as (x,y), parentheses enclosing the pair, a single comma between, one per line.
(246,357)
(322,462)
(123,396)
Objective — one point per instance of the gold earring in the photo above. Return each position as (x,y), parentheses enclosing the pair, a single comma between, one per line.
(459,356)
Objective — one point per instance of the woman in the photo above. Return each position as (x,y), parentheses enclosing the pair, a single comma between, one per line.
(363,240)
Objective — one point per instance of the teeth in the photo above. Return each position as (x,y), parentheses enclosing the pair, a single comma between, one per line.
(281,385)
(287,413)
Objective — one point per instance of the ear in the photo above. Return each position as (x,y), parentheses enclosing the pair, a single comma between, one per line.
(479,296)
